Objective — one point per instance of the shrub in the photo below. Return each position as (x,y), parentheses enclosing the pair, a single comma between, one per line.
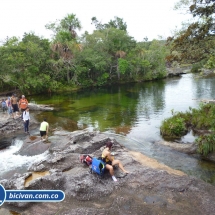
(173,127)
(197,66)
(206,144)
(202,118)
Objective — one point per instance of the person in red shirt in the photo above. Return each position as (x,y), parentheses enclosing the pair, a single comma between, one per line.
(23,103)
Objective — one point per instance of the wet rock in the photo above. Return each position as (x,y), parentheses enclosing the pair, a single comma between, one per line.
(36,107)
(33,146)
(4,143)
(37,168)
(210,156)
(10,127)
(188,148)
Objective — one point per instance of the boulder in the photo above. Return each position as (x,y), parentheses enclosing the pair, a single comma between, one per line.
(188,148)
(36,107)
(10,127)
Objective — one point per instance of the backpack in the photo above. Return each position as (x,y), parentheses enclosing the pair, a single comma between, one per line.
(87,159)
(98,166)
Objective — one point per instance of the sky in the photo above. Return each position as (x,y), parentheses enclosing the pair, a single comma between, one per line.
(144,18)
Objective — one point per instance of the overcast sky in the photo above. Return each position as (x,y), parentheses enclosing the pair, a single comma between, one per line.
(143,17)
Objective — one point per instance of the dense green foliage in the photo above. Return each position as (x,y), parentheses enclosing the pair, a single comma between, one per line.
(201,119)
(174,126)
(206,144)
(108,55)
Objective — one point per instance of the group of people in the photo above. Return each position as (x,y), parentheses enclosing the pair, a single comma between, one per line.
(14,106)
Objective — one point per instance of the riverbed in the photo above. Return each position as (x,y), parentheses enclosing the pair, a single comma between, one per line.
(133,113)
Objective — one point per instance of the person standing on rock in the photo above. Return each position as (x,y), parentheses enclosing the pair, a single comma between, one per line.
(110,161)
(23,104)
(3,105)
(26,119)
(44,128)
(15,108)
(9,106)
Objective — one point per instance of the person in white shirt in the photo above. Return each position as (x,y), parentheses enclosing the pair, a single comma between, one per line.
(26,119)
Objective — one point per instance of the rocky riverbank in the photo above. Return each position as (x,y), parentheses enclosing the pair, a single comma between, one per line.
(10,127)
(149,188)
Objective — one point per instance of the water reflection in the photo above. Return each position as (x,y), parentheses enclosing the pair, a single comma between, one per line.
(115,108)
(136,111)
(204,88)
(133,109)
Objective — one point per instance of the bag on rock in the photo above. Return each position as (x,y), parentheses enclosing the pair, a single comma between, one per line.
(87,159)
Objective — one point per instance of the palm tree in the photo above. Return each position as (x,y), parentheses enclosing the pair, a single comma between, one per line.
(65,41)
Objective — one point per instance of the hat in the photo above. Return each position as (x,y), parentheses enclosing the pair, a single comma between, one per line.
(23,96)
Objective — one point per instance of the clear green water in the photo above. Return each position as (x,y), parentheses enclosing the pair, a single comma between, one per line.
(136,112)
(117,108)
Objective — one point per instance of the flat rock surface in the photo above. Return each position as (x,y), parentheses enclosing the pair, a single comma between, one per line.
(149,188)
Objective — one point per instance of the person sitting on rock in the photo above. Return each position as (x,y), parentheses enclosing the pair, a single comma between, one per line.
(110,161)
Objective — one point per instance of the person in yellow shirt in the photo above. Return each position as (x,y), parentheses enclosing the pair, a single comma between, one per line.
(44,129)
(110,161)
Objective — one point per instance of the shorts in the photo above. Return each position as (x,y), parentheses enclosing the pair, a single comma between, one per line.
(15,108)
(109,162)
(42,133)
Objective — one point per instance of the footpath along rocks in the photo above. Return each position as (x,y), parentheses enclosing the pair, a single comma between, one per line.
(149,188)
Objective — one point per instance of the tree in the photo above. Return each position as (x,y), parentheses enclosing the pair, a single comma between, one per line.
(196,42)
(117,23)
(24,63)
(64,43)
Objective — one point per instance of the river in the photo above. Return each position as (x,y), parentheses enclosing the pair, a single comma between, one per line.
(133,113)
